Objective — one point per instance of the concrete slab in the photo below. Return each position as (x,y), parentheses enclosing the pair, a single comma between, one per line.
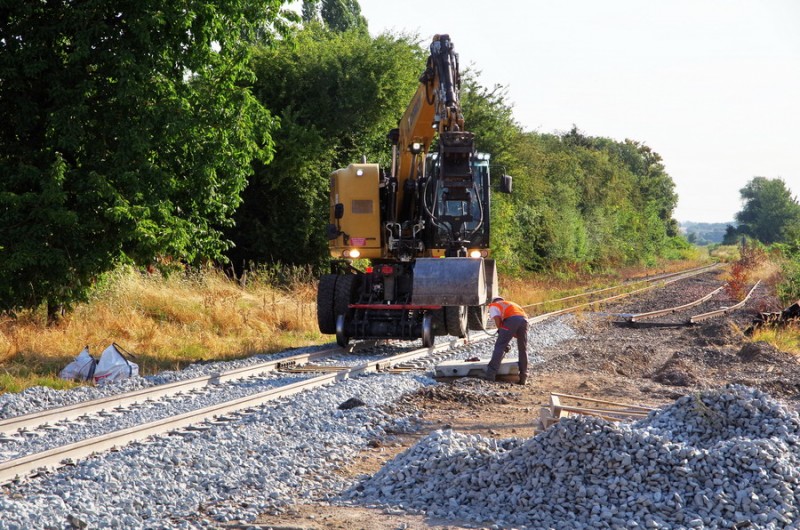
(475,368)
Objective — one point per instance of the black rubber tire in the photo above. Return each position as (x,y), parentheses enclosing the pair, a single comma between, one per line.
(455,318)
(345,295)
(477,317)
(326,316)
(437,322)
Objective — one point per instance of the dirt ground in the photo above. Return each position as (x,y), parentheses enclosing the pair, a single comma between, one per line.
(648,364)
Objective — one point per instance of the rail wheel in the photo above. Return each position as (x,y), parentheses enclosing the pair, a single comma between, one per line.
(477,316)
(326,316)
(427,331)
(456,320)
(341,332)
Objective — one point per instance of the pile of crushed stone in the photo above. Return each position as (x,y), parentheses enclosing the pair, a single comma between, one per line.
(726,458)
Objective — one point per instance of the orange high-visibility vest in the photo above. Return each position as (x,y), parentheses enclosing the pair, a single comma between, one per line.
(508,309)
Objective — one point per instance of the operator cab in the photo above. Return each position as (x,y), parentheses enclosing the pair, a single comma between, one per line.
(457,210)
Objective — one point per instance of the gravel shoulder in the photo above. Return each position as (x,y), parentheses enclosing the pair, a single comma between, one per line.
(650,364)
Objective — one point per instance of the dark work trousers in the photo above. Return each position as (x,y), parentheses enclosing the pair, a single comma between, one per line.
(516,326)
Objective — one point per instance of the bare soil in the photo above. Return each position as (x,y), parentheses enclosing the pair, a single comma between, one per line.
(652,363)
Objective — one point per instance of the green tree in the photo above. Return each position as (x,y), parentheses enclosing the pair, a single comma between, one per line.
(770,211)
(597,202)
(656,187)
(128,132)
(337,15)
(337,94)
(731,236)
(489,114)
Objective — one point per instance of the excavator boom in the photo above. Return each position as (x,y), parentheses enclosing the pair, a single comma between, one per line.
(431,204)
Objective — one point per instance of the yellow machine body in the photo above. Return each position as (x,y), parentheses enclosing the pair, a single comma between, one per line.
(355,194)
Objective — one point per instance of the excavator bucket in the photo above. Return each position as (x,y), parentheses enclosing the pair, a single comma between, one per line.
(449,282)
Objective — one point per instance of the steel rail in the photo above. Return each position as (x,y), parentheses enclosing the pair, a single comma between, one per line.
(719,312)
(625,284)
(28,465)
(664,280)
(660,312)
(10,426)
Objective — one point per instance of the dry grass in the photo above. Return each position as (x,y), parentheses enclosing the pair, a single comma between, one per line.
(785,339)
(752,265)
(725,253)
(171,322)
(166,322)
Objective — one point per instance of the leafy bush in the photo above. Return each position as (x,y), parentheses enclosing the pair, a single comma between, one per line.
(752,256)
(109,149)
(788,288)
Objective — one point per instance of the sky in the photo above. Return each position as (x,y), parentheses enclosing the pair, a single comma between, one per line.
(713,86)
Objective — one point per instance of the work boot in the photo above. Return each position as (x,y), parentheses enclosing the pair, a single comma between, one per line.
(523,379)
(491,375)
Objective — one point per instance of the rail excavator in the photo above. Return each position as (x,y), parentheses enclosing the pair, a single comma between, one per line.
(422,226)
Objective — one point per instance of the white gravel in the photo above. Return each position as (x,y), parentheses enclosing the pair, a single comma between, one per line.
(728,458)
(40,398)
(283,453)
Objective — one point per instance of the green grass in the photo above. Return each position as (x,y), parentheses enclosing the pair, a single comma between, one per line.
(17,383)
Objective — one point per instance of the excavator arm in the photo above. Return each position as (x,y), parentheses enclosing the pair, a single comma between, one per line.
(435,107)
(434,111)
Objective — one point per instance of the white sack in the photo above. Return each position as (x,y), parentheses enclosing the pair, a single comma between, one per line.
(113,366)
(83,367)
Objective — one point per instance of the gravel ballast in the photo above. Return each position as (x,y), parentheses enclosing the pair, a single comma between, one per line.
(281,454)
(725,458)
(284,453)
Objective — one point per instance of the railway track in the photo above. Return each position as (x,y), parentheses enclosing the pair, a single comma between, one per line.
(10,427)
(638,317)
(646,285)
(39,424)
(30,464)
(724,310)
(693,319)
(666,277)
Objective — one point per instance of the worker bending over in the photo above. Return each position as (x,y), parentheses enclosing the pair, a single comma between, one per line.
(511,321)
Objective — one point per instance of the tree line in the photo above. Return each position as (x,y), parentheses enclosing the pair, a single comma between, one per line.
(770,213)
(579,202)
(136,131)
